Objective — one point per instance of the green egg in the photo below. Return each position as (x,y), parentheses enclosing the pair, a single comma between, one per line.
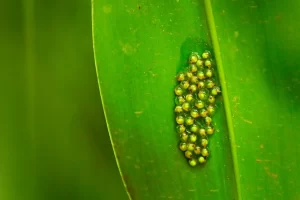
(178,91)
(206,54)
(189,121)
(180,128)
(193,68)
(188,154)
(197,150)
(180,76)
(188,74)
(178,109)
(193,162)
(202,95)
(194,80)
(215,90)
(210,110)
(193,58)
(185,84)
(184,137)
(183,146)
(193,138)
(209,130)
(180,119)
(201,75)
(202,132)
(194,128)
(194,113)
(201,85)
(208,63)
(179,100)
(209,73)
(189,97)
(204,142)
(201,160)
(199,104)
(211,99)
(203,112)
(209,84)
(193,88)
(190,147)
(199,63)
(204,152)
(186,106)
(208,120)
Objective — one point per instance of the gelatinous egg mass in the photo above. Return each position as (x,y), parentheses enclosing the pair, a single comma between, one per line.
(195,97)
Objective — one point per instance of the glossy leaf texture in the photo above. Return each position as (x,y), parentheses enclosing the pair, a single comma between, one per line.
(259,43)
(139,48)
(141,45)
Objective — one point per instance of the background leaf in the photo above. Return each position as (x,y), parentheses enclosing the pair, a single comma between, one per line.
(54,142)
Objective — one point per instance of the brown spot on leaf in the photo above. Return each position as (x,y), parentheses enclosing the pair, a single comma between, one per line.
(129,188)
(260,160)
(273,175)
(246,120)
(138,112)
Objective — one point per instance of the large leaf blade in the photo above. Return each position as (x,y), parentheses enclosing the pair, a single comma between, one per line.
(139,47)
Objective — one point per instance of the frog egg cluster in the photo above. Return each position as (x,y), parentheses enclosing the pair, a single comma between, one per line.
(196,94)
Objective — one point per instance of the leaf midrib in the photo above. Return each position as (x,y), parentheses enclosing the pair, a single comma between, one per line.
(216,47)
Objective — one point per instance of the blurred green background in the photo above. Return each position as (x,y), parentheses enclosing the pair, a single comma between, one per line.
(54,142)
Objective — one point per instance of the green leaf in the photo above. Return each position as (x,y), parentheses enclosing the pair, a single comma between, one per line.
(139,48)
